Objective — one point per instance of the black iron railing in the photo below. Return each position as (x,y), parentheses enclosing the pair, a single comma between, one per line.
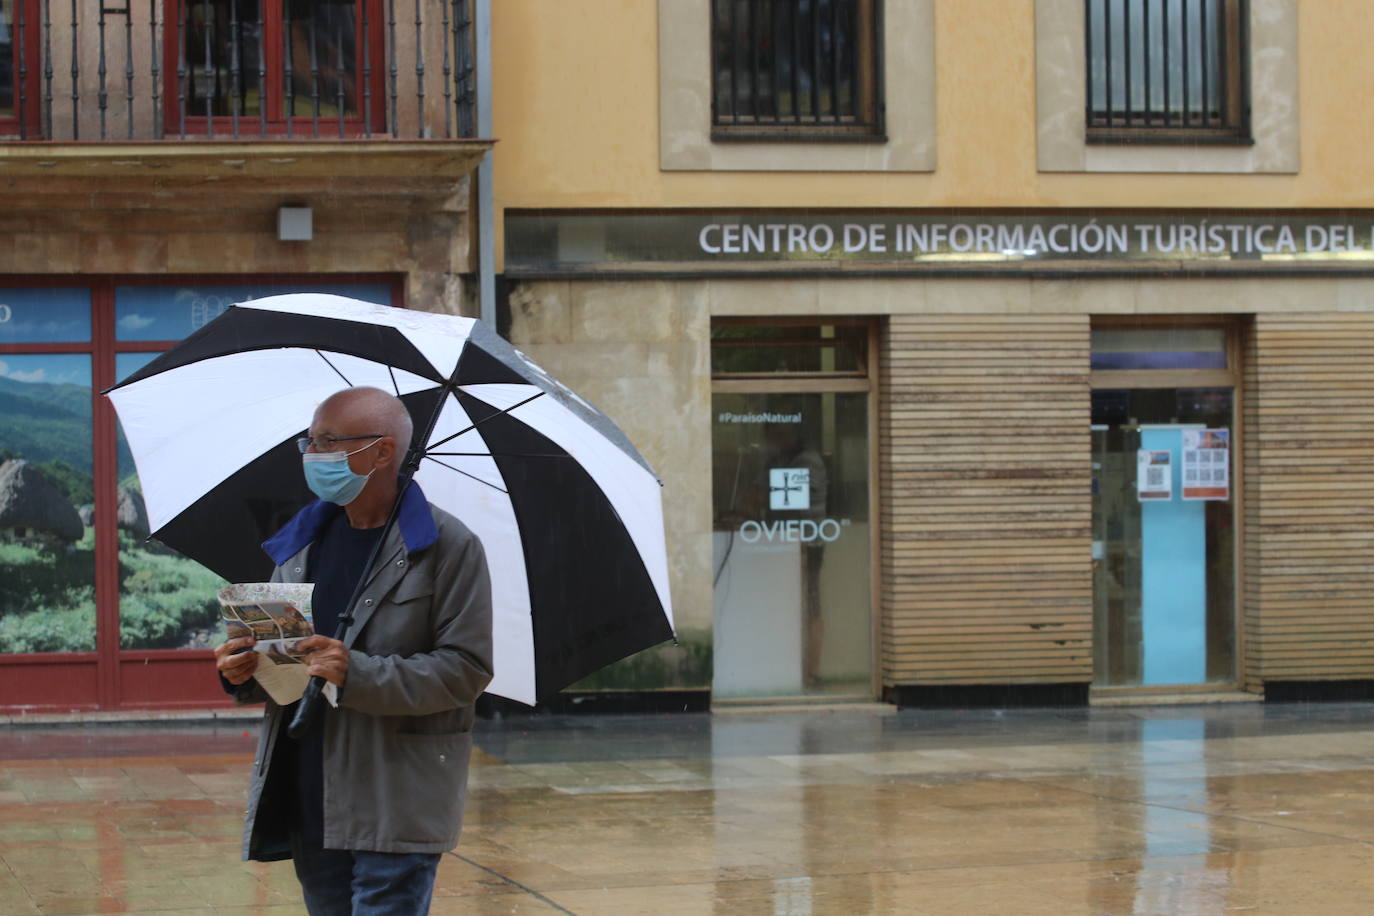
(1166,68)
(236,69)
(784,68)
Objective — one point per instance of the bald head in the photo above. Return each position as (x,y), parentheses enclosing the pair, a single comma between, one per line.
(366,411)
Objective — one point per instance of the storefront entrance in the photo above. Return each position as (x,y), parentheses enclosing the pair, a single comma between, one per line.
(1164,497)
(792,540)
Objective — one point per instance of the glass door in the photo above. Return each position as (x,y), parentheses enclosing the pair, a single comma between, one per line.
(1163,537)
(791,544)
(791,485)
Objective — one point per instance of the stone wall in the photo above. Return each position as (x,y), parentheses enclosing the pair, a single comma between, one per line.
(640,351)
(213,224)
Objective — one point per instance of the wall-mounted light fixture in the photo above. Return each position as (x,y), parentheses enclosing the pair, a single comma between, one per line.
(295,224)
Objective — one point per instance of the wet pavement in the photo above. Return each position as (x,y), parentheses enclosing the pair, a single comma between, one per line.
(1260,809)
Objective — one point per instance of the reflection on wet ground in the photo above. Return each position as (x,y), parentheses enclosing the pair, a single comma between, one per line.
(1216,809)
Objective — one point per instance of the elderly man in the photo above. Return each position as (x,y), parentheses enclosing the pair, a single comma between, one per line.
(367,800)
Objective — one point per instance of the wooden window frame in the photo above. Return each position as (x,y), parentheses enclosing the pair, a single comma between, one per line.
(24,64)
(370,89)
(866,125)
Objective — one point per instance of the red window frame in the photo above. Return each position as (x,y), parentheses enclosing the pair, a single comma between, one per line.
(274,121)
(111,677)
(24,65)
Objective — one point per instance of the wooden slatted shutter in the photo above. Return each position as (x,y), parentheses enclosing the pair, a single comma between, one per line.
(986,500)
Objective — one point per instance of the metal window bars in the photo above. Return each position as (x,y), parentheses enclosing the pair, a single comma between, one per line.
(1167,68)
(789,67)
(241,69)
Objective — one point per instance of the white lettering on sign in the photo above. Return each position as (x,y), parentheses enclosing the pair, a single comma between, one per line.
(6,313)
(764,417)
(1030,238)
(769,238)
(802,530)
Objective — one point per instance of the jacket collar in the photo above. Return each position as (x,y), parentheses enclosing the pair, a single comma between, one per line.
(415,521)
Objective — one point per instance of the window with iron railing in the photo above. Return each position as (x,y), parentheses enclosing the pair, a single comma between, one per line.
(278,63)
(796,70)
(154,69)
(1167,71)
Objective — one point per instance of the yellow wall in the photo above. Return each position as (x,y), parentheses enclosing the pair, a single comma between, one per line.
(575,106)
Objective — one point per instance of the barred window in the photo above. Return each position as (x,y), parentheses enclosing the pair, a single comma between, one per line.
(279,60)
(1167,71)
(796,70)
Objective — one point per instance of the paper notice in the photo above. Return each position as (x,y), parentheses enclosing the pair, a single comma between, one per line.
(1154,475)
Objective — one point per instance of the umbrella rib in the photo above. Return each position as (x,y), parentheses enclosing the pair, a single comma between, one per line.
(483,420)
(494,455)
(392,373)
(334,367)
(466,474)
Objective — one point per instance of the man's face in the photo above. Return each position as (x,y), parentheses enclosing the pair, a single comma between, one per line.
(336,429)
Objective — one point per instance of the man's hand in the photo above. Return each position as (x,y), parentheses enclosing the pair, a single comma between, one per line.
(236,668)
(326,658)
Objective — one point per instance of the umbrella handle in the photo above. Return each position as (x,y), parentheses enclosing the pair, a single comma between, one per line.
(307,708)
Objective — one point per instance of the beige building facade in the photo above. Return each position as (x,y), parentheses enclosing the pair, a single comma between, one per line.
(1005,351)
(1080,391)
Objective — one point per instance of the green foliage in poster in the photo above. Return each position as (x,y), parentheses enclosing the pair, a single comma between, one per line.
(47,597)
(166,601)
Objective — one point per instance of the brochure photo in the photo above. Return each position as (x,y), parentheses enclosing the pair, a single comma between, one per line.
(277,615)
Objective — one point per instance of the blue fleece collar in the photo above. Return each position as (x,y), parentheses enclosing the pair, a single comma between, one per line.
(415,522)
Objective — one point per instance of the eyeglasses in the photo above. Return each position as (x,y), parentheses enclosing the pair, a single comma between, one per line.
(326,443)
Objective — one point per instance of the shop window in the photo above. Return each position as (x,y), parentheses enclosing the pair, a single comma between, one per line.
(1173,348)
(166,601)
(1166,71)
(286,64)
(750,349)
(47,541)
(791,465)
(71,510)
(799,70)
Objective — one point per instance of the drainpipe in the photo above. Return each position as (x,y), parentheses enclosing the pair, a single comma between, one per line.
(486,207)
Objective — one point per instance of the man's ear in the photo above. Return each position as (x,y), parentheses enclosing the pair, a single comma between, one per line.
(387,454)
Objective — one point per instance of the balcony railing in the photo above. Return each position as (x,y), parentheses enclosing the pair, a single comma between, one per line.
(236,69)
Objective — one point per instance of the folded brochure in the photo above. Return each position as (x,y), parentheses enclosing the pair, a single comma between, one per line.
(277,615)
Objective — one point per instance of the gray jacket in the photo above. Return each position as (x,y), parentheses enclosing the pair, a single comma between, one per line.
(396,749)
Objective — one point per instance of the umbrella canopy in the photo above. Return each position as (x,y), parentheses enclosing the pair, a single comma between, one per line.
(569,513)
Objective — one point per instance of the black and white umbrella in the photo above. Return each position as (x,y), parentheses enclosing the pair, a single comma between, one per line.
(569,513)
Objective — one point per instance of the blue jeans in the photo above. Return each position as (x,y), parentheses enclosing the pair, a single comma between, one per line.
(337,882)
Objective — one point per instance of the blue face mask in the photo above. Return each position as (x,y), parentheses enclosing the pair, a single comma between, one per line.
(329,477)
